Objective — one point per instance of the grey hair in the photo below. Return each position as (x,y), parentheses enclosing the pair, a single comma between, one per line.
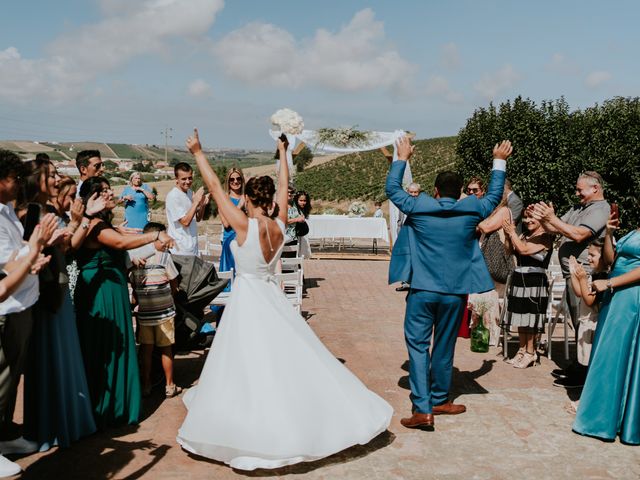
(414,185)
(594,178)
(133,175)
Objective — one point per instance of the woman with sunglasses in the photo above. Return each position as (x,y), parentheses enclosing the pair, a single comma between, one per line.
(234,184)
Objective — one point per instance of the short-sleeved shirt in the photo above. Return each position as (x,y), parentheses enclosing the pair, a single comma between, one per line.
(136,209)
(177,204)
(153,290)
(292,212)
(594,216)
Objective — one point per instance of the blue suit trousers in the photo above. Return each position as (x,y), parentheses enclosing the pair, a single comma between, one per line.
(430,314)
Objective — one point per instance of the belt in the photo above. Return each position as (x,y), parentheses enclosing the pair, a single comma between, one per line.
(531,270)
(267,277)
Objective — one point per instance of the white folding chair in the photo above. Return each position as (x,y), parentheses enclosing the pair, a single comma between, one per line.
(292,285)
(557,310)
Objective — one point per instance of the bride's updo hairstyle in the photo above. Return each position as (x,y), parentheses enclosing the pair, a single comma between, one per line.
(260,190)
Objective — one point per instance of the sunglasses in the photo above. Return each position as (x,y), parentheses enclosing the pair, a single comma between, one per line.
(471,191)
(235,180)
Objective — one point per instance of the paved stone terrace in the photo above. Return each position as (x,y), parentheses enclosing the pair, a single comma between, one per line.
(516,425)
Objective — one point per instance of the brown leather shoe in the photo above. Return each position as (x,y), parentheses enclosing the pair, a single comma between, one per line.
(449,409)
(422,421)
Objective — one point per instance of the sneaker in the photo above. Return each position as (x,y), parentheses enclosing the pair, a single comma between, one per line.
(8,468)
(171,391)
(19,446)
(559,373)
(569,382)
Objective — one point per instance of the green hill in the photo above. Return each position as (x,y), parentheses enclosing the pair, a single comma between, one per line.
(362,175)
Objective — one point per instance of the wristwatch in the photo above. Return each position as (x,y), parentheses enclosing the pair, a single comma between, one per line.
(85,225)
(610,285)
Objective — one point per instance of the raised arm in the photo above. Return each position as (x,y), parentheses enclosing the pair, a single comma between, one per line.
(393,186)
(501,152)
(494,222)
(236,218)
(609,249)
(282,198)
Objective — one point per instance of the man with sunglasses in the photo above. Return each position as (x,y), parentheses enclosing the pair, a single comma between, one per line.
(582,224)
(89,164)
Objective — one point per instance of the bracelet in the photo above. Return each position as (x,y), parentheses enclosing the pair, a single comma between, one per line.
(610,285)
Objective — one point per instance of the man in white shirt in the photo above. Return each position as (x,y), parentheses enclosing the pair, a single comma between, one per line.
(184,209)
(16,322)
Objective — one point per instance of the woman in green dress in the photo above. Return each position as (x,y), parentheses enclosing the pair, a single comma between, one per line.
(610,401)
(104,313)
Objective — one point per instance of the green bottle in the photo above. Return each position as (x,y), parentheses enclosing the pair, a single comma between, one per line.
(480,337)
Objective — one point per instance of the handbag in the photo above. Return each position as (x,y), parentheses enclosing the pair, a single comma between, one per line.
(499,262)
(302,228)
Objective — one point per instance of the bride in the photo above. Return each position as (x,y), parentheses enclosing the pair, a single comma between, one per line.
(270,393)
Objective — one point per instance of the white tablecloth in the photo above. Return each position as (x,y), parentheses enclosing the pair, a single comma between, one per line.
(341,226)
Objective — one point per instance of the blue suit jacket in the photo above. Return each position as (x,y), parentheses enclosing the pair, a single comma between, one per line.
(437,247)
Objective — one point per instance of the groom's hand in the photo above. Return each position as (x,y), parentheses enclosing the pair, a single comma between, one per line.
(405,149)
(502,150)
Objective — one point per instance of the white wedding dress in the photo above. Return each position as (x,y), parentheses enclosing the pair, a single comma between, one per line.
(270,393)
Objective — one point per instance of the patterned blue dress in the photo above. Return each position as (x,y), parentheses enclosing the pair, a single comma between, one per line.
(610,401)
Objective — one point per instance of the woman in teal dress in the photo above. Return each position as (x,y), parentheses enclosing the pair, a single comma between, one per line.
(57,410)
(104,313)
(610,401)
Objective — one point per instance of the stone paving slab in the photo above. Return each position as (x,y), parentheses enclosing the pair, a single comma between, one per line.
(516,425)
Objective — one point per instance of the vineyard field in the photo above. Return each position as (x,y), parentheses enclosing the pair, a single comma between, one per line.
(362,175)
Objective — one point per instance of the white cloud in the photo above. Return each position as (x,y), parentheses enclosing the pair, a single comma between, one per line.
(450,56)
(357,57)
(438,86)
(596,79)
(128,30)
(199,88)
(561,64)
(493,84)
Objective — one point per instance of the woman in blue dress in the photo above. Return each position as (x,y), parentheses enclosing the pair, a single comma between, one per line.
(610,401)
(136,197)
(235,188)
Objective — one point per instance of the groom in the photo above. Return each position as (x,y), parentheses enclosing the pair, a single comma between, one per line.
(437,251)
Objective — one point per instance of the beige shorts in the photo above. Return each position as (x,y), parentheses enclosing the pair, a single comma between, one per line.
(161,335)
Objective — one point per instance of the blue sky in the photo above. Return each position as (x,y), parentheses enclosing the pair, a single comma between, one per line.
(122,70)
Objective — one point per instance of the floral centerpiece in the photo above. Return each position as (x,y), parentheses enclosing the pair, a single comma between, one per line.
(287,121)
(344,137)
(357,209)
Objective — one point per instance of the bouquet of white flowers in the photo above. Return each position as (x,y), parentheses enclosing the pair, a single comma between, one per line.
(357,209)
(287,121)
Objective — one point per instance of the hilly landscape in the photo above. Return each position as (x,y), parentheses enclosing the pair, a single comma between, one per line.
(362,175)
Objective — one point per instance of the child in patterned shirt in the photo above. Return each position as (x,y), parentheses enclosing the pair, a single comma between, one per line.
(153,286)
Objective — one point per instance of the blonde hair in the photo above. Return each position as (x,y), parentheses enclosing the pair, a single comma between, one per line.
(231,171)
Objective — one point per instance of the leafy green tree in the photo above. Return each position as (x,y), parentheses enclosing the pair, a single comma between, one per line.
(553,145)
(110,165)
(302,159)
(142,167)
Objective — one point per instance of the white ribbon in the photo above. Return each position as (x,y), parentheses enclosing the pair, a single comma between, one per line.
(377,140)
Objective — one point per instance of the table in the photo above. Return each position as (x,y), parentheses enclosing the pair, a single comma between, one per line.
(341,226)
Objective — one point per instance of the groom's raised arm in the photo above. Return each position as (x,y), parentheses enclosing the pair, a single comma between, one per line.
(393,186)
(501,152)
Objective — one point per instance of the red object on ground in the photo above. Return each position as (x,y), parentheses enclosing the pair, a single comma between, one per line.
(465,331)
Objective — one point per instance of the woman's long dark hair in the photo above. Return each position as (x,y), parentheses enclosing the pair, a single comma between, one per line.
(30,191)
(91,186)
(307,208)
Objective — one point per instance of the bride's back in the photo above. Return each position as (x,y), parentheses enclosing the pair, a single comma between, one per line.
(261,249)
